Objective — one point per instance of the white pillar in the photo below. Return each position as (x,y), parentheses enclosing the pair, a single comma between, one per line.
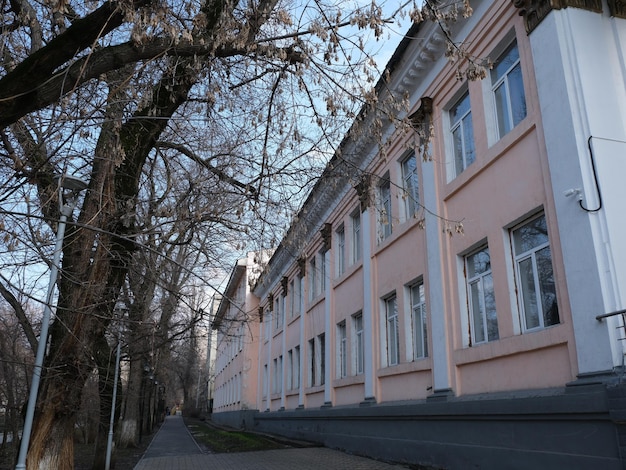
(368,322)
(580,74)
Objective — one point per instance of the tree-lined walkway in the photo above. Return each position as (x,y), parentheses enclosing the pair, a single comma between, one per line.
(173,448)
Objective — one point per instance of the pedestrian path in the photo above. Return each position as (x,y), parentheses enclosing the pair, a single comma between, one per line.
(173,448)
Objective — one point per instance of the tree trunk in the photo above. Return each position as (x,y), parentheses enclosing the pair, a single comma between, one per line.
(95,264)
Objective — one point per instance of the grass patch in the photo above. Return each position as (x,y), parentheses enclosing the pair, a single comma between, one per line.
(221,441)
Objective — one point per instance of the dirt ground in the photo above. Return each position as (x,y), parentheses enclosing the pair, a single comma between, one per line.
(124,459)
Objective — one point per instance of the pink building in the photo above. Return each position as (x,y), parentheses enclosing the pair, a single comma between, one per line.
(448,304)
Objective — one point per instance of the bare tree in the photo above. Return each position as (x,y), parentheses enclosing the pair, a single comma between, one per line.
(243,100)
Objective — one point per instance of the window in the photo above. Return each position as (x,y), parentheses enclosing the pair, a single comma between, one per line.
(342,348)
(418,321)
(293,298)
(312,279)
(481,298)
(290,369)
(279,311)
(462,130)
(410,185)
(265,382)
(275,384)
(359,345)
(355,218)
(322,349)
(384,207)
(312,363)
(322,282)
(268,324)
(340,252)
(534,275)
(295,374)
(508,90)
(393,333)
(296,296)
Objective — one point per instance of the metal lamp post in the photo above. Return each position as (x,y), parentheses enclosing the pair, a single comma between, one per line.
(73,186)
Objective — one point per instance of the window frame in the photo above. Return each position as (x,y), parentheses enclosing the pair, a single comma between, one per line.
(321,346)
(312,277)
(537,281)
(392,330)
(497,81)
(358,344)
(342,350)
(323,273)
(356,248)
(419,319)
(385,214)
(340,252)
(410,185)
(482,280)
(296,368)
(465,123)
(312,363)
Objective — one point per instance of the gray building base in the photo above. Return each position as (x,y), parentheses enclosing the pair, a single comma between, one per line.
(578,427)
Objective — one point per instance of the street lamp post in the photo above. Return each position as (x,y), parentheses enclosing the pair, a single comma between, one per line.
(66,204)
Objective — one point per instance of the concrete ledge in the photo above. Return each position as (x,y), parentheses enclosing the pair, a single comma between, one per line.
(543,429)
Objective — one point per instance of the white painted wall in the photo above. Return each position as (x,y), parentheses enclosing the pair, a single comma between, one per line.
(579,65)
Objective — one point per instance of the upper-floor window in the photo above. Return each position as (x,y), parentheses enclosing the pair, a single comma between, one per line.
(481,297)
(462,131)
(355,220)
(340,251)
(393,331)
(410,185)
(323,273)
(279,311)
(508,90)
(293,299)
(419,320)
(384,207)
(534,275)
(312,278)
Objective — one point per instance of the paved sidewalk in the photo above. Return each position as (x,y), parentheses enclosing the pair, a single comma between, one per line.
(173,448)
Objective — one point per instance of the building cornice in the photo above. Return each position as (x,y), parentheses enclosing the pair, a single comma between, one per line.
(534,11)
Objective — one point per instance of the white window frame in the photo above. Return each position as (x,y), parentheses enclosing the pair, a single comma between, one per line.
(419,320)
(312,372)
(385,215)
(275,376)
(340,252)
(355,222)
(410,186)
(480,283)
(509,120)
(323,273)
(296,368)
(293,300)
(290,369)
(465,125)
(312,278)
(392,330)
(342,350)
(321,365)
(538,279)
(358,363)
